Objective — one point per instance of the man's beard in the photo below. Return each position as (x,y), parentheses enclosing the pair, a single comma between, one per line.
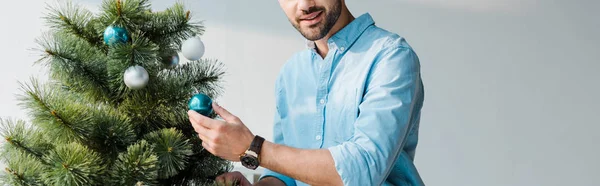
(331,18)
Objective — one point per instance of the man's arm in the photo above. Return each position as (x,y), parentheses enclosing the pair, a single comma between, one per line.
(314,167)
(380,131)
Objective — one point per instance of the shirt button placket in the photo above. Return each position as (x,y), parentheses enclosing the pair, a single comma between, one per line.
(324,69)
(321,108)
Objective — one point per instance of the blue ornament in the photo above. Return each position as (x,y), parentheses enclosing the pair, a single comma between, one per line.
(172,61)
(114,35)
(202,104)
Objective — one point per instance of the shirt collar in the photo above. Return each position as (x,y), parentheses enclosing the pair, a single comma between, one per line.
(349,34)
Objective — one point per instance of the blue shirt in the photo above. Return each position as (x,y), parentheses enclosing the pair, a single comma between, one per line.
(362,102)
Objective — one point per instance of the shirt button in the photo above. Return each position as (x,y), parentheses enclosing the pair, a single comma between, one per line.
(322,101)
(318,137)
(342,48)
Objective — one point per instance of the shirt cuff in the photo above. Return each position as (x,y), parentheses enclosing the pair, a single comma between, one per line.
(344,165)
(285,179)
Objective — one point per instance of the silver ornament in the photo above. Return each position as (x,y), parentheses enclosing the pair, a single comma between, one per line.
(136,77)
(192,48)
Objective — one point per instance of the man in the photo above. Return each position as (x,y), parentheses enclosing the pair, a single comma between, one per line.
(347,108)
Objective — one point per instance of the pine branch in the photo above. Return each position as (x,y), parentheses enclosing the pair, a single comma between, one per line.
(111,132)
(22,140)
(75,63)
(23,170)
(203,167)
(71,18)
(70,118)
(172,150)
(55,112)
(139,165)
(73,164)
(170,27)
(204,75)
(129,13)
(138,107)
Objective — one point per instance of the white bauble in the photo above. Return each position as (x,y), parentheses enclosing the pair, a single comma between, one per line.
(136,77)
(192,48)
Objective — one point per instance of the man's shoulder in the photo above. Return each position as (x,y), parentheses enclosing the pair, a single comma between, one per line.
(384,44)
(381,39)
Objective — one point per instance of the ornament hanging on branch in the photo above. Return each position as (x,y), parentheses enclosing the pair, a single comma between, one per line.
(115,35)
(136,77)
(171,61)
(192,48)
(201,103)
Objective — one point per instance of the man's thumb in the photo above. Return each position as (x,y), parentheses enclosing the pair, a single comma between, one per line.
(226,115)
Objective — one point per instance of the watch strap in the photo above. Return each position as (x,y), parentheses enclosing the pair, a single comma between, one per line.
(256,144)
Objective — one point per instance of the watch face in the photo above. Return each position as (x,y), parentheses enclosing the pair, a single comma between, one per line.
(250,162)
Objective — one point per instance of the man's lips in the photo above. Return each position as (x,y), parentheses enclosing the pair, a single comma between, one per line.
(311,18)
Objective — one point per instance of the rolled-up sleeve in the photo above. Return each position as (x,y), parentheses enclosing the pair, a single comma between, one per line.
(384,120)
(278,135)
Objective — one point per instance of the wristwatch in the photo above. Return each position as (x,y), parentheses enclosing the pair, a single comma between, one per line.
(251,158)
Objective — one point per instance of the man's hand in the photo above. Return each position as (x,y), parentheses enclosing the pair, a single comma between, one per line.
(269,181)
(232,178)
(226,139)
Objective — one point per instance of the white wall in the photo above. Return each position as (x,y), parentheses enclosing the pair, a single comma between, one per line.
(511,86)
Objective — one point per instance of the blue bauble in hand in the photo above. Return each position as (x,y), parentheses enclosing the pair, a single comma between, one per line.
(114,35)
(202,104)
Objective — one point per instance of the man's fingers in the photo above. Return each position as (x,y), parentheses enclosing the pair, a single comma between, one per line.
(221,179)
(228,180)
(200,129)
(207,147)
(199,119)
(223,113)
(233,178)
(202,137)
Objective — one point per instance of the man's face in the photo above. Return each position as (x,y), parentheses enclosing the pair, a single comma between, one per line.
(312,18)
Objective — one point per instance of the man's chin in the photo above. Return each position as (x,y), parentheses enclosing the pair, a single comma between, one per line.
(313,38)
(313,35)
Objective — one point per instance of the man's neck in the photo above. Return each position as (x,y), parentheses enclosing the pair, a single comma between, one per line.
(345,18)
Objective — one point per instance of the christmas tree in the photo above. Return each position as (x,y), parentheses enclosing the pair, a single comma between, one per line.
(114,110)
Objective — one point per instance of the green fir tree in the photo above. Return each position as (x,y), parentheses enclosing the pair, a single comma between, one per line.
(87,127)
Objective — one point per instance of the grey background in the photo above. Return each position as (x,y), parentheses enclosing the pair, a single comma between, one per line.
(511,86)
